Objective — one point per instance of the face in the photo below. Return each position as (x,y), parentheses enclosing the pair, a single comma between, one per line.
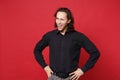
(62,21)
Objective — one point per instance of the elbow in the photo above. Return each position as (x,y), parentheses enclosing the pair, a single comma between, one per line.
(98,54)
(34,51)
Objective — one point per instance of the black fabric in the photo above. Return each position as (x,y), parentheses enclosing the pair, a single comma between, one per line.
(65,51)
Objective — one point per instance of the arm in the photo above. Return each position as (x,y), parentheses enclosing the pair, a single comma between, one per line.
(38,51)
(38,54)
(94,55)
(92,51)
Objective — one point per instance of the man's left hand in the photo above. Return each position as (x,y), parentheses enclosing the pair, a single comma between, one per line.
(76,74)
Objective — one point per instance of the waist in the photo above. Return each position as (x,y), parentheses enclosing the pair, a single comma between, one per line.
(61,75)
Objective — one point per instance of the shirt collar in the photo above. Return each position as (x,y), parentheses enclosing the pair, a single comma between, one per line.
(68,31)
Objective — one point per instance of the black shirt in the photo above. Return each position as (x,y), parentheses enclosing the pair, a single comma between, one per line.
(65,51)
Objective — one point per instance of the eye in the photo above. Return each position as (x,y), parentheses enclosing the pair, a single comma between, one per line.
(56,18)
(62,19)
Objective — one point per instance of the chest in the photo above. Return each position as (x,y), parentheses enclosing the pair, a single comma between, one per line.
(66,42)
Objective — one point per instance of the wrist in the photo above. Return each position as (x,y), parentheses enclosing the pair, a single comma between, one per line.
(46,67)
(81,70)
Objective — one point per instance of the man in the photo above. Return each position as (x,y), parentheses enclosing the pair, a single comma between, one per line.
(65,44)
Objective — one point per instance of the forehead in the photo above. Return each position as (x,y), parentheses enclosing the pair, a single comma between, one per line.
(61,15)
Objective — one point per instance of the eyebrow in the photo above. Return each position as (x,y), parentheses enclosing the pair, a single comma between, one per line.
(59,18)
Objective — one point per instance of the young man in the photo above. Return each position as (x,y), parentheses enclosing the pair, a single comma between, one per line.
(65,44)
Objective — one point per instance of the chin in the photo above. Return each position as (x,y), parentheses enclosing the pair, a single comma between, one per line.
(60,29)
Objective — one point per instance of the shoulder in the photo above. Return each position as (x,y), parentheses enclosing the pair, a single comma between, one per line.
(50,33)
(78,33)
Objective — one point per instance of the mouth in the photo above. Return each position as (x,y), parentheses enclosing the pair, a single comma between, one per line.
(59,26)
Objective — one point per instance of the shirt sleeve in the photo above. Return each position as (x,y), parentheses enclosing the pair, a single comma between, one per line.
(38,51)
(92,51)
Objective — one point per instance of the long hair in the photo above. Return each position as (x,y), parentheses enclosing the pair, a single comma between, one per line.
(69,17)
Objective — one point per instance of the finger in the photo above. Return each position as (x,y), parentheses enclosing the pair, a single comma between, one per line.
(51,72)
(72,73)
(77,78)
(73,77)
(49,75)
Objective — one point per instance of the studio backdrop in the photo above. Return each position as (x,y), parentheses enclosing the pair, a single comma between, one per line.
(23,23)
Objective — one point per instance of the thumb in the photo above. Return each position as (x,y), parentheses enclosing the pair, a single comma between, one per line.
(72,73)
(51,72)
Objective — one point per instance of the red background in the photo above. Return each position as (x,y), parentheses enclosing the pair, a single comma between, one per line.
(23,22)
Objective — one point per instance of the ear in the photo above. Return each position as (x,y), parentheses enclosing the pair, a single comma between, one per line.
(69,20)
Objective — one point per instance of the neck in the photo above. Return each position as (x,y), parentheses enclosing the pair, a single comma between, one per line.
(64,31)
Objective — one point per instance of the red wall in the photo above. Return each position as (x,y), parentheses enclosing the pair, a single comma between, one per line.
(23,22)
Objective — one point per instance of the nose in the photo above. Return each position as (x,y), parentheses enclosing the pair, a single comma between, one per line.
(59,21)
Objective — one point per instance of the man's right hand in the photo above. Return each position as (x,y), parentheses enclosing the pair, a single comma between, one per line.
(48,70)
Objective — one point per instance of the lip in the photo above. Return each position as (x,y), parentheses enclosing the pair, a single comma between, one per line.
(59,25)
